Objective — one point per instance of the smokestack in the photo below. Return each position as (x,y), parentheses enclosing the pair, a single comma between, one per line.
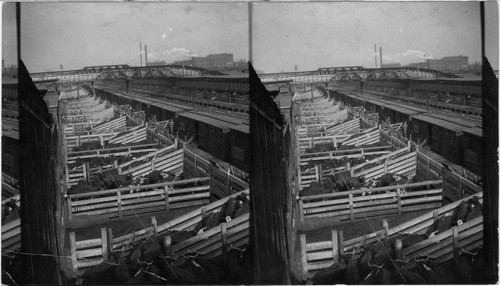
(140,52)
(381,63)
(375,55)
(145,55)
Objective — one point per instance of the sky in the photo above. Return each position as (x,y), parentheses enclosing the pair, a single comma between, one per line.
(9,37)
(314,35)
(84,34)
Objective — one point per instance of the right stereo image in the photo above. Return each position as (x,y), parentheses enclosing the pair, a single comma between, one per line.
(374,130)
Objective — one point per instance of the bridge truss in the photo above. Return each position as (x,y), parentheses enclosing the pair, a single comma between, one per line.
(324,75)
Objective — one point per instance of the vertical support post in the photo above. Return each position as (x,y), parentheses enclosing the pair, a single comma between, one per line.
(223,234)
(301,210)
(167,206)
(351,206)
(167,245)
(110,239)
(70,209)
(385,226)
(303,252)
(399,249)
(120,208)
(154,224)
(455,244)
(399,200)
(435,216)
(104,240)
(72,245)
(335,246)
(84,168)
(341,242)
(203,212)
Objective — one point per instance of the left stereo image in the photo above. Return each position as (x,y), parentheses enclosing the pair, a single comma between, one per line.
(125,144)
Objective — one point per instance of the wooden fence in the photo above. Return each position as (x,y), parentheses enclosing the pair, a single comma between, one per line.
(455,186)
(114,124)
(317,173)
(130,201)
(99,246)
(403,164)
(137,134)
(370,136)
(11,236)
(320,255)
(167,159)
(9,186)
(222,182)
(216,241)
(106,152)
(335,118)
(88,253)
(186,221)
(316,130)
(76,141)
(362,204)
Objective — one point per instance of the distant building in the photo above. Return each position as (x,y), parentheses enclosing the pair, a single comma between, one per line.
(219,62)
(391,65)
(156,63)
(456,63)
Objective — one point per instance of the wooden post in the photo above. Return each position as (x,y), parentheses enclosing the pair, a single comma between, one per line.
(72,244)
(195,165)
(335,246)
(110,239)
(70,209)
(120,208)
(153,161)
(223,234)
(104,240)
(167,206)
(398,190)
(385,226)
(351,206)
(303,251)
(154,224)
(167,245)
(84,170)
(341,242)
(455,244)
(301,210)
(399,249)
(435,216)
(428,168)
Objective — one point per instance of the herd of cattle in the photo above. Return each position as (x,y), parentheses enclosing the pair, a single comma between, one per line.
(379,263)
(148,261)
(110,179)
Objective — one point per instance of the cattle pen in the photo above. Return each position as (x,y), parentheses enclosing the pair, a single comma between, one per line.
(366,188)
(133,175)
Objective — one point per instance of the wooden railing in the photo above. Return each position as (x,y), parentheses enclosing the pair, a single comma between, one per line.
(316,130)
(216,241)
(320,255)
(222,183)
(11,236)
(88,253)
(167,159)
(187,221)
(130,201)
(106,152)
(137,134)
(361,204)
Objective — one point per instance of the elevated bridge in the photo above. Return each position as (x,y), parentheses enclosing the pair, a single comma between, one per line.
(92,73)
(352,73)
